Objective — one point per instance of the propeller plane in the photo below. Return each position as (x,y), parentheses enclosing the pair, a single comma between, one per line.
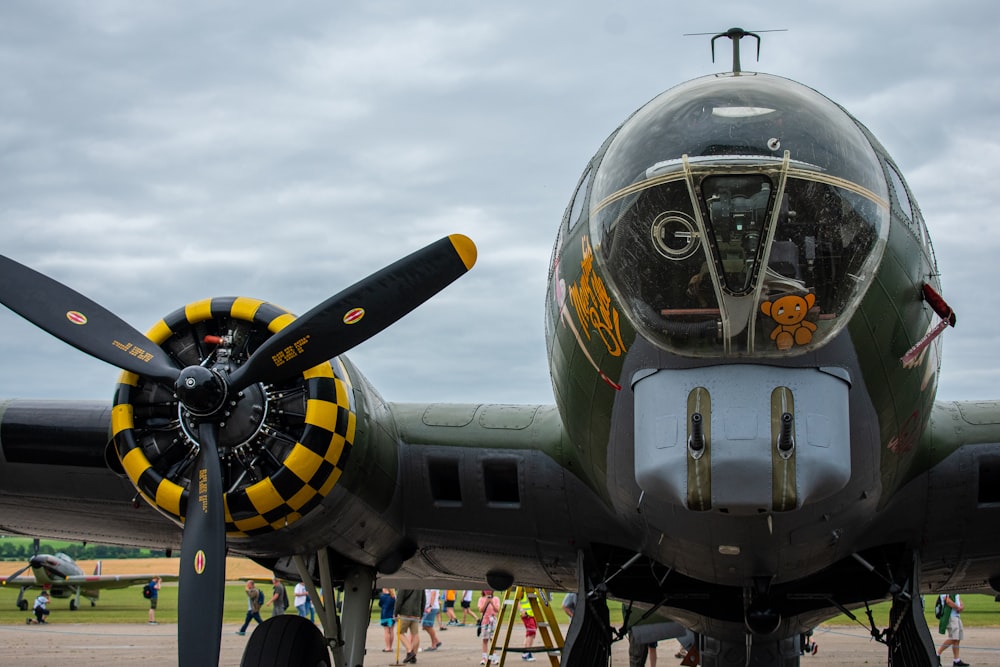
(743,327)
(62,577)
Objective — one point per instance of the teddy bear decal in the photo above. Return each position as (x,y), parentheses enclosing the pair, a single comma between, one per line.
(789,312)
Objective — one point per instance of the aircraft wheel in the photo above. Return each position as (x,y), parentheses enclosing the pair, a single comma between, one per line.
(286,640)
(72,605)
(23,605)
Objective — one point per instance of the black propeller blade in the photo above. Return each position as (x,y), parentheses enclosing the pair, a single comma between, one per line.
(18,573)
(84,324)
(358,312)
(203,559)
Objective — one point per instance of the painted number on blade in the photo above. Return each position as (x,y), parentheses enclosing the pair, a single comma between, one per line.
(203,489)
(290,352)
(76,317)
(133,350)
(354,315)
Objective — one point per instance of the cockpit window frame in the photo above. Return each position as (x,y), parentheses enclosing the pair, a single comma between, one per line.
(738,310)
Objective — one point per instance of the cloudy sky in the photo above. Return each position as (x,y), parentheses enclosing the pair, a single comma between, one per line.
(153,154)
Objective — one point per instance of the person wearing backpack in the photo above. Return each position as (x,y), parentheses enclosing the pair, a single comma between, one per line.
(153,587)
(255,598)
(279,599)
(951,622)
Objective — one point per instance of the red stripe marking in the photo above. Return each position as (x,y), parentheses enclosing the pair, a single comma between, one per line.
(354,315)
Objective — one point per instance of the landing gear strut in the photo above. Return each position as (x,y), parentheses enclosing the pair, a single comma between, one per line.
(909,639)
(292,640)
(588,640)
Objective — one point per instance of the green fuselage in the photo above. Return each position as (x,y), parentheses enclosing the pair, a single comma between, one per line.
(738,182)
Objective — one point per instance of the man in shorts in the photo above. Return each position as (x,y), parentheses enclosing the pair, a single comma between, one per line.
(410,605)
(154,589)
(467,607)
(449,607)
(951,621)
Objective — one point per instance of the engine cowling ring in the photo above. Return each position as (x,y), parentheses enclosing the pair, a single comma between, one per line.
(275,470)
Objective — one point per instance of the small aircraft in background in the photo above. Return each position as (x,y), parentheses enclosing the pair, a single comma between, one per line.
(62,577)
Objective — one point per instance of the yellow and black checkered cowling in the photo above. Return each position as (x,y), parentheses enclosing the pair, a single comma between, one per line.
(289,462)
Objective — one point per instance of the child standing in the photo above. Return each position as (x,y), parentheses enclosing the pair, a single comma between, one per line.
(489,606)
(530,629)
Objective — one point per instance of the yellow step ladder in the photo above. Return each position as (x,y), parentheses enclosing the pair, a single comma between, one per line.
(548,627)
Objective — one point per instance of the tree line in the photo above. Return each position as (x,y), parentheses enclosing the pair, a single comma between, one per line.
(22,549)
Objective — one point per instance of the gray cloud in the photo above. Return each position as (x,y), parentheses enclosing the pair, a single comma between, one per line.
(154,155)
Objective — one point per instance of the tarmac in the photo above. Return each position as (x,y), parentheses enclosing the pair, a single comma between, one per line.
(95,645)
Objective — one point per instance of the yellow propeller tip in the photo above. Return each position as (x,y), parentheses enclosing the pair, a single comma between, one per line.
(465,248)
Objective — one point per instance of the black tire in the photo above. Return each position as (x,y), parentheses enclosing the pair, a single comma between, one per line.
(23,605)
(72,605)
(286,640)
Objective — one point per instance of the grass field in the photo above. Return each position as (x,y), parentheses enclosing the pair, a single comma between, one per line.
(123,605)
(128,606)
(980,611)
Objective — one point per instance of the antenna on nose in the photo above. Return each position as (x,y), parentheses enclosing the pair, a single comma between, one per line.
(735,35)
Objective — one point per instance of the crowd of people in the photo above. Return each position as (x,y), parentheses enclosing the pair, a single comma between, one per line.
(416,610)
(420,609)
(406,612)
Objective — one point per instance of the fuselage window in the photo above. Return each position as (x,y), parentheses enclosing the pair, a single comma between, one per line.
(902,201)
(899,196)
(580,198)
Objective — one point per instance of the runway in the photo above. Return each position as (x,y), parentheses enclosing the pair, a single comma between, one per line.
(93,645)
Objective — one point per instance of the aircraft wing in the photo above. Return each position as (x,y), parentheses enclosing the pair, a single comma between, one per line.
(475,478)
(955,481)
(98,581)
(18,582)
(468,481)
(55,482)
(90,581)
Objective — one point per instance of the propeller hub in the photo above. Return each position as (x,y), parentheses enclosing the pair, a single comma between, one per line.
(201,390)
(241,419)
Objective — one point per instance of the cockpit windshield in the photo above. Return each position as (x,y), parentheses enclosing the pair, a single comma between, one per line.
(739,215)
